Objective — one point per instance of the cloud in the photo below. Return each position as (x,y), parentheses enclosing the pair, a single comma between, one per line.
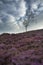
(10,12)
(8,19)
(13,12)
(36,6)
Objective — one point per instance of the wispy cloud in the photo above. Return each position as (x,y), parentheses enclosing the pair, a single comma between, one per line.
(10,12)
(14,11)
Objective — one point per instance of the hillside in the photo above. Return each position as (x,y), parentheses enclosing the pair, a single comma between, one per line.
(22,49)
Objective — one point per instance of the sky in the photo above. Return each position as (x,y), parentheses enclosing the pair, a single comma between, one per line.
(13,13)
